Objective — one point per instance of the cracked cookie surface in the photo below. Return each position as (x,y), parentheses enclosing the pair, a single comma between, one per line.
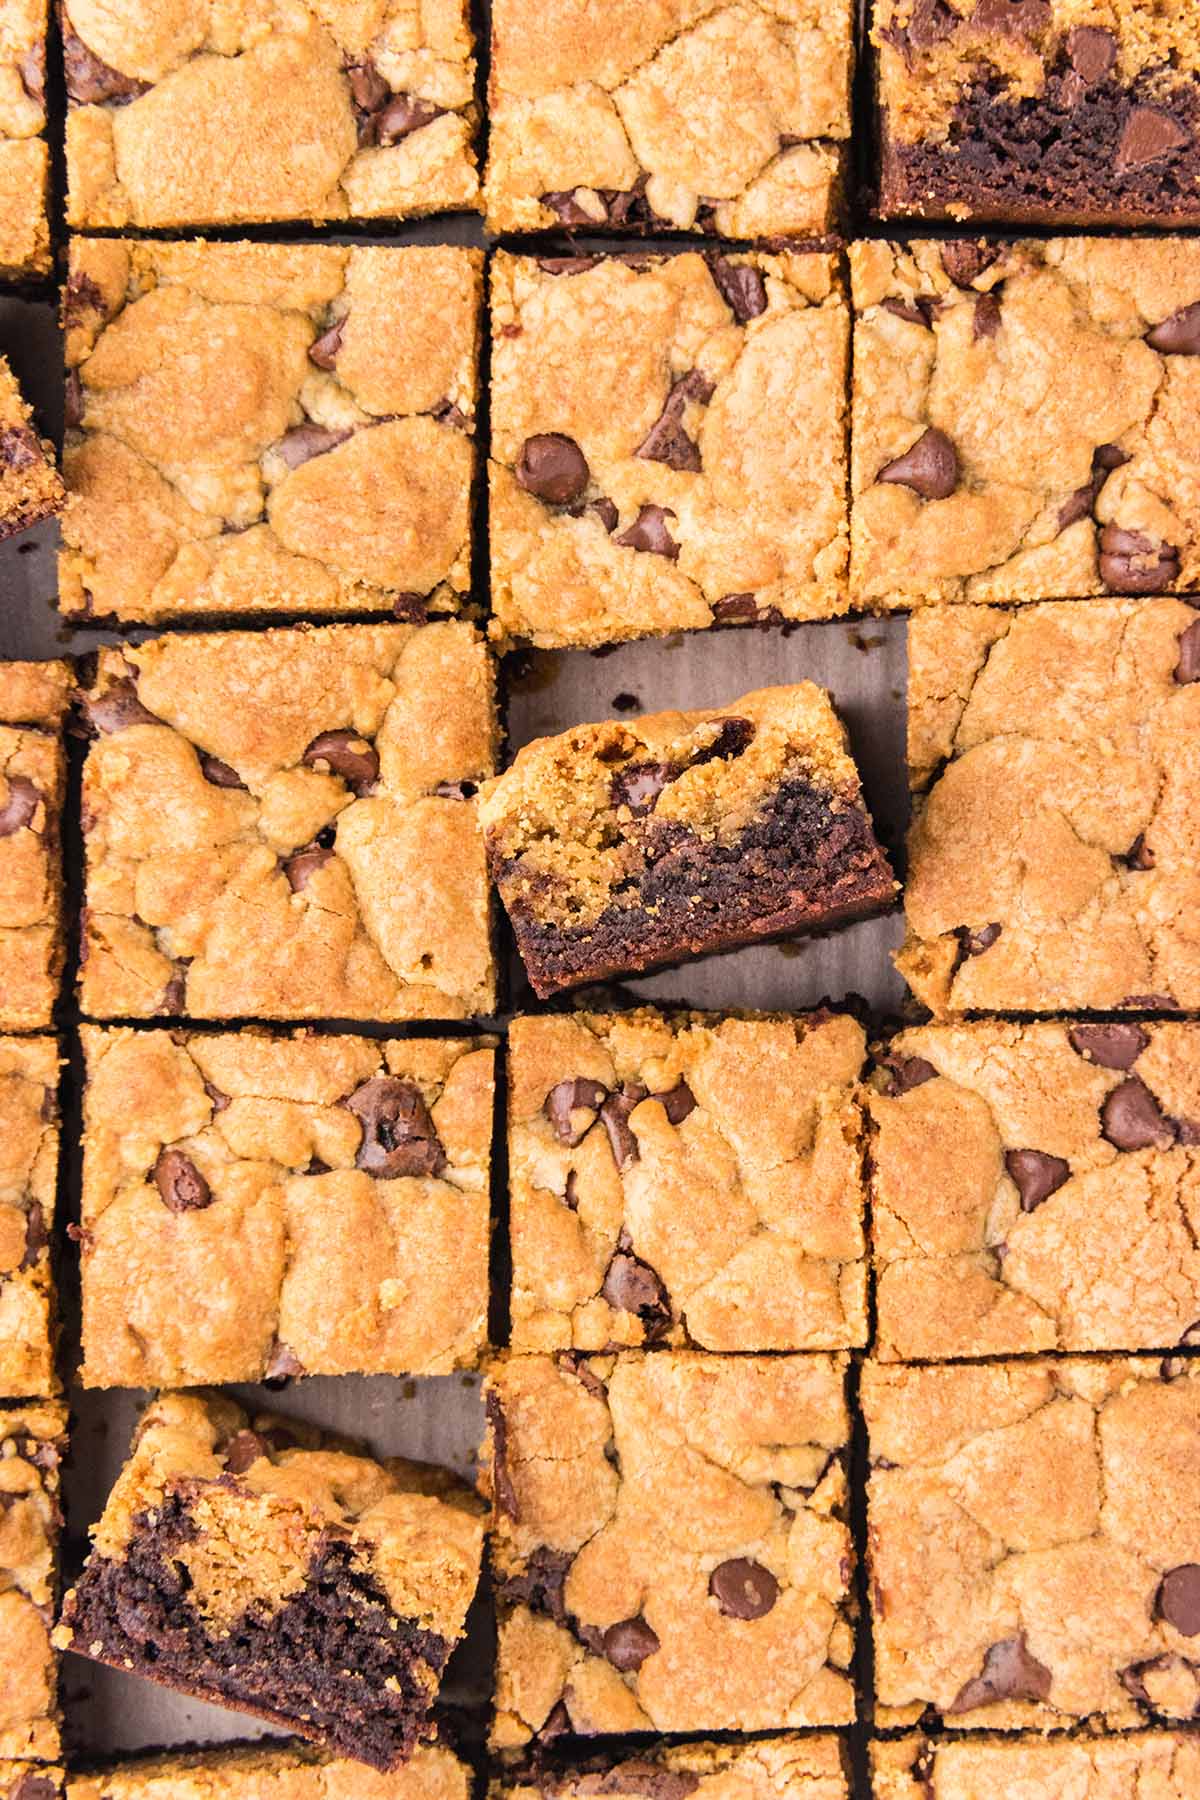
(1158,1765)
(257,1206)
(293,1772)
(282,825)
(787,1767)
(669,114)
(1054,862)
(24,154)
(32,1442)
(28,1180)
(668,445)
(669,1543)
(30,486)
(33,703)
(257,428)
(1083,112)
(1036,1187)
(686,1179)
(284,1573)
(1034,1535)
(230,114)
(1022,422)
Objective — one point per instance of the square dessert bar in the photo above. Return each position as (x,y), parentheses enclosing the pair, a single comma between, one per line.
(32,1441)
(33,702)
(30,486)
(1036,1187)
(31,1781)
(263,1567)
(24,156)
(787,1767)
(1041,112)
(634,842)
(241,113)
(686,1179)
(281,825)
(1054,855)
(1160,1765)
(668,443)
(1022,421)
(28,1177)
(257,428)
(669,1543)
(284,1772)
(1034,1533)
(256,1207)
(669,117)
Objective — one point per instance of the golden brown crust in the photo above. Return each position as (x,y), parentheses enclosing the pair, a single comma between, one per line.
(24,155)
(198,900)
(734,1222)
(292,1772)
(32,1439)
(1164,1765)
(787,1767)
(30,487)
(33,700)
(269,428)
(28,1177)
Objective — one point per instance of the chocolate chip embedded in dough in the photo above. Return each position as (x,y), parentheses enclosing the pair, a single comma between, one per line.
(639,785)
(678,1102)
(930,468)
(243,1449)
(20,447)
(1178,1599)
(649,532)
(743,1589)
(34,1787)
(306,441)
(367,85)
(1037,1175)
(615,1116)
(347,755)
(628,1643)
(36,1235)
(1013,18)
(301,868)
(570,212)
(906,1073)
(91,81)
(117,708)
(667,441)
(20,806)
(1092,51)
(987,318)
(965,259)
(1139,855)
(180,1183)
(219,773)
(1131,563)
(283,1364)
(552,468)
(740,286)
(974,943)
(566,1099)
(732,608)
(403,114)
(1132,1120)
(503,1491)
(1112,1046)
(31,67)
(914,312)
(398,1134)
(1187,669)
(1179,335)
(1009,1672)
(323,351)
(1149,135)
(631,1285)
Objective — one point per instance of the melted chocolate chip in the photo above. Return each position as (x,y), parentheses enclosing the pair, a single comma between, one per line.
(20,805)
(219,773)
(1091,51)
(398,1132)
(987,318)
(615,1115)
(974,943)
(1130,1118)
(553,468)
(743,1589)
(323,351)
(677,1102)
(20,447)
(631,1285)
(638,786)
(180,1183)
(1187,669)
(282,1364)
(117,708)
(306,441)
(36,1235)
(300,868)
(565,1099)
(403,114)
(1014,18)
(1179,335)
(367,85)
(243,1449)
(628,1643)
(1179,1599)
(734,607)
(217,1100)
(1149,135)
(965,259)
(649,532)
(503,1491)
(930,468)
(906,1073)
(1037,1175)
(346,755)
(90,81)
(667,441)
(1131,563)
(915,312)
(740,286)
(1112,1046)
(1009,1672)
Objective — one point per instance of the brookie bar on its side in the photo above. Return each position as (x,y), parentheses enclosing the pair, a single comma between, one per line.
(33,702)
(29,1140)
(24,153)
(1138,1765)
(291,1771)
(787,1767)
(30,486)
(32,1441)
(263,1567)
(636,842)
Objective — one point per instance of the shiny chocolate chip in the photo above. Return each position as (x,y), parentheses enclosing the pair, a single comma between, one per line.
(566,1100)
(615,1117)
(399,1137)
(743,1589)
(1187,669)
(403,114)
(300,868)
(1179,1599)
(1037,1175)
(987,318)
(649,532)
(638,786)
(733,608)
(180,1183)
(346,755)
(930,468)
(740,286)
(1131,1119)
(667,441)
(677,1102)
(1131,563)
(974,943)
(914,312)
(243,1449)
(323,351)
(1091,51)
(90,81)
(1149,135)
(631,1285)
(1112,1046)
(117,708)
(965,259)
(36,1235)
(905,1073)
(553,468)
(219,773)
(1010,1672)
(20,806)
(306,441)
(1179,335)
(367,85)
(503,1491)
(628,1643)
(283,1364)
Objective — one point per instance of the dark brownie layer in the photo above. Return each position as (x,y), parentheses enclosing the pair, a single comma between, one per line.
(332,1662)
(800,866)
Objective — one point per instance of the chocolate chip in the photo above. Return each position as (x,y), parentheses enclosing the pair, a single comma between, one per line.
(636,1775)
(906,1073)
(34,1787)
(1014,18)
(677,1102)
(930,468)
(606,512)
(1151,1002)
(743,1589)
(282,1364)
(563,202)
(631,1285)
(553,468)
(20,806)
(567,1098)
(398,1133)
(1187,669)
(1179,335)
(1092,52)
(571,1191)
(974,943)
(732,607)
(217,1099)
(20,447)
(73,401)
(218,772)
(1139,855)
(1112,1046)
(965,259)
(456,790)
(733,736)
(323,351)
(306,441)
(175,992)
(300,868)
(403,114)
(667,441)
(243,1449)
(987,321)
(348,756)
(1037,1175)
(1131,563)
(90,81)
(615,1117)
(117,708)
(1179,1599)
(1105,458)
(558,1723)
(916,312)
(503,1491)
(628,1643)
(31,67)
(1149,134)
(740,286)
(1009,1673)
(179,1181)
(411,608)
(1130,1118)
(566,265)
(367,86)
(36,1235)
(638,786)
(649,532)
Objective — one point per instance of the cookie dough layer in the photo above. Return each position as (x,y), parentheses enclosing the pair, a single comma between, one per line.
(669,443)
(1156,1765)
(292,1772)
(256,428)
(24,156)
(32,1441)
(33,702)
(1034,1533)
(262,1566)
(669,1543)
(281,825)
(232,114)
(28,1181)
(1076,112)
(672,115)
(686,1180)
(256,1206)
(779,1768)
(1054,856)
(30,488)
(1036,1187)
(1023,420)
